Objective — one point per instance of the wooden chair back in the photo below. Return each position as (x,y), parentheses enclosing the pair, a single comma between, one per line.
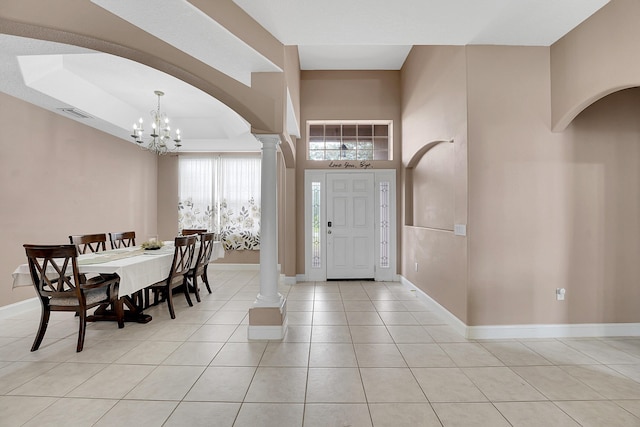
(125,239)
(54,270)
(87,243)
(182,258)
(55,276)
(190,231)
(204,254)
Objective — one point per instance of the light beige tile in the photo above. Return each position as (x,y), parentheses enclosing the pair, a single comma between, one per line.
(379,356)
(194,353)
(602,351)
(631,371)
(609,383)
(409,334)
(425,356)
(221,384)
(103,352)
(403,415)
(629,345)
(334,385)
(502,384)
(329,318)
(213,333)
(240,354)
(272,385)
(298,333)
(300,317)
(286,354)
(299,305)
(173,331)
(113,382)
(470,354)
(328,305)
(534,414)
(363,318)
(598,414)
(444,334)
(632,406)
(447,385)
(72,412)
(149,353)
(513,353)
(555,383)
(398,318)
(384,385)
(383,305)
(469,414)
(202,414)
(227,317)
(370,334)
(166,383)
(270,415)
(323,415)
(17,373)
(332,355)
(17,410)
(59,380)
(358,305)
(559,353)
(335,334)
(137,413)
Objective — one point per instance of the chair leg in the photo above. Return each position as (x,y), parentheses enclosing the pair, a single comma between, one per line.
(185,288)
(83,327)
(195,288)
(205,279)
(169,298)
(44,322)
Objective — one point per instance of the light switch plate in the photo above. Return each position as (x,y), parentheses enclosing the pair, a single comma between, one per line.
(460,229)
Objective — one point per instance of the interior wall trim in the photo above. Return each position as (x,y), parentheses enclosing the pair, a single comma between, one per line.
(578,330)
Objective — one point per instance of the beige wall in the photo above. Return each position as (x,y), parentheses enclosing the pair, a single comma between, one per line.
(59,177)
(595,59)
(434,109)
(344,95)
(548,210)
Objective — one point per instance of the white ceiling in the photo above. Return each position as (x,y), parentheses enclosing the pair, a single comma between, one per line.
(331,34)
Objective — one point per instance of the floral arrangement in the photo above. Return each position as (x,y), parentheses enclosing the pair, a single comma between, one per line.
(152,245)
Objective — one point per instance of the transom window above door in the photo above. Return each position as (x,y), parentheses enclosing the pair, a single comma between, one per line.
(349,140)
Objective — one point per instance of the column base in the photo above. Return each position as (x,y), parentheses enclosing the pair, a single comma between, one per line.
(268,323)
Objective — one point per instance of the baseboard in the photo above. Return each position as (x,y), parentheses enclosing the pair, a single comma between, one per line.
(288,280)
(19,307)
(223,266)
(438,309)
(581,330)
(275,332)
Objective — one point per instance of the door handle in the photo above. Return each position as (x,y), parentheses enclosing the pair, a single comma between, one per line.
(329,232)
(329,224)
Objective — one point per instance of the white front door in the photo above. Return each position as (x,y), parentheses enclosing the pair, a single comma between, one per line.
(350,226)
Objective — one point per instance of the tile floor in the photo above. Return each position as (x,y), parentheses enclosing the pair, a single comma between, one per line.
(356,354)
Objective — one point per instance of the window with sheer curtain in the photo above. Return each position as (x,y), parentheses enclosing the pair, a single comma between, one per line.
(222,194)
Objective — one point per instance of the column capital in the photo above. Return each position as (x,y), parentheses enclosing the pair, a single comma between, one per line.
(267,139)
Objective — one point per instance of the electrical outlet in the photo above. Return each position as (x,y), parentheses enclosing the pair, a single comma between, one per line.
(416,266)
(560,292)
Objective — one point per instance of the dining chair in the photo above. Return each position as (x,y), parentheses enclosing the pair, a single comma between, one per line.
(202,262)
(182,259)
(190,231)
(125,239)
(55,276)
(89,242)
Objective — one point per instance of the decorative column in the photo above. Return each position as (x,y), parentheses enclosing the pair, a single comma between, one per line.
(267,317)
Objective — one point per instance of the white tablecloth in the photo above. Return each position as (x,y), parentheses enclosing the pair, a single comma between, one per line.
(136,272)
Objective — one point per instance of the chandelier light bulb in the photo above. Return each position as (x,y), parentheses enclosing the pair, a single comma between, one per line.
(160,131)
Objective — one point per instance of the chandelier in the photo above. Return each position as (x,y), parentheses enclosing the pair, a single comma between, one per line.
(160,135)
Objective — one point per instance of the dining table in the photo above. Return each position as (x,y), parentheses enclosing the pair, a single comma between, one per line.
(137,268)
